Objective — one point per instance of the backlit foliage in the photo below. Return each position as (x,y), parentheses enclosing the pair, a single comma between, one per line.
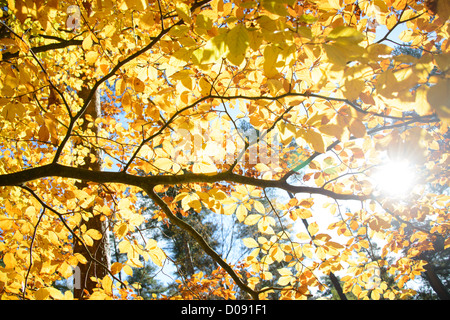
(316,81)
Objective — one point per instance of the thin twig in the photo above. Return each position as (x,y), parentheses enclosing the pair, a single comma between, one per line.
(31,252)
(77,238)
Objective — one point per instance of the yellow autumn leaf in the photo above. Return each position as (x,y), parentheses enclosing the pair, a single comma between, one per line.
(237,41)
(352,88)
(164,164)
(94,234)
(81,259)
(156,253)
(303,236)
(259,207)
(9,260)
(55,293)
(139,5)
(303,213)
(284,280)
(65,270)
(88,240)
(284,272)
(275,6)
(321,253)
(334,245)
(345,34)
(439,98)
(42,294)
(128,270)
(250,243)
(138,85)
(125,246)
(107,284)
(271,54)
(183,11)
(241,212)
(91,57)
(357,128)
(212,51)
(87,42)
(267,276)
(265,225)
(252,219)
(313,228)
(315,140)
(422,105)
(121,230)
(116,267)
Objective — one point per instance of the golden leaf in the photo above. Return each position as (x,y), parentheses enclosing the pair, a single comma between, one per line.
(302,236)
(346,34)
(107,284)
(252,219)
(121,231)
(94,234)
(91,57)
(250,243)
(259,207)
(313,228)
(87,42)
(237,41)
(241,212)
(357,128)
(9,260)
(116,267)
(315,140)
(42,294)
(439,98)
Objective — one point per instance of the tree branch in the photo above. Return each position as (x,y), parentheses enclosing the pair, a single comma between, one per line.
(31,252)
(58,170)
(200,240)
(44,48)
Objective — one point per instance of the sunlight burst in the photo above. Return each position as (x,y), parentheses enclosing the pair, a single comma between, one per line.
(395,179)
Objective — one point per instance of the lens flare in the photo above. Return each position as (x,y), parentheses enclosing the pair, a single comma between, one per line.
(395,179)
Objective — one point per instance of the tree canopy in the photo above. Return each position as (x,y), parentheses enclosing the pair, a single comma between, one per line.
(209,105)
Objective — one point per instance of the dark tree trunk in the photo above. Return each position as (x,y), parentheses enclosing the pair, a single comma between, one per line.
(99,251)
(435,282)
(337,286)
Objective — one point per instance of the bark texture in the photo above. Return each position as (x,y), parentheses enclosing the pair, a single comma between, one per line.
(98,256)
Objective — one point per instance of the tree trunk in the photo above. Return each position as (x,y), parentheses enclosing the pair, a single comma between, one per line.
(337,286)
(99,251)
(435,282)
(187,263)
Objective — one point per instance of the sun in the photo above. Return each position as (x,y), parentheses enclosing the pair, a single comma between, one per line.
(395,178)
